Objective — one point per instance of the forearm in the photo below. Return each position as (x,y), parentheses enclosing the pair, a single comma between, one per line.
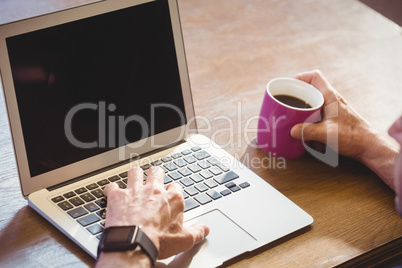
(379,156)
(134,258)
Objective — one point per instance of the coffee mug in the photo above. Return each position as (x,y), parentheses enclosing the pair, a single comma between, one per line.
(287,102)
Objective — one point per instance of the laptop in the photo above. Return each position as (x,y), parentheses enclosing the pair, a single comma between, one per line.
(94,90)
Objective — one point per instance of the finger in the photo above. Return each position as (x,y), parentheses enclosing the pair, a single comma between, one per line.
(135,178)
(110,188)
(309,132)
(155,176)
(184,241)
(317,79)
(199,232)
(176,199)
(174,187)
(193,235)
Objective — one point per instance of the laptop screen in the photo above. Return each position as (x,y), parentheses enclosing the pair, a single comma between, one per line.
(96,84)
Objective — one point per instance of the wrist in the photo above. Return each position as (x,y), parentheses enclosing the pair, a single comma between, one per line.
(379,155)
(127,240)
(129,258)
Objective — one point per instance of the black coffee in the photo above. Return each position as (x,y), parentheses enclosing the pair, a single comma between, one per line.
(292,101)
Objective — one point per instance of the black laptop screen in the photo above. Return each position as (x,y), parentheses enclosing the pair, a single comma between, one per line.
(92,85)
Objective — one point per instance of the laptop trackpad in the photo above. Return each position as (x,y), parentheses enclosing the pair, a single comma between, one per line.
(225,240)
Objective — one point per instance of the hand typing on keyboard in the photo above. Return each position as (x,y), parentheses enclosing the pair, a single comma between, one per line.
(158,210)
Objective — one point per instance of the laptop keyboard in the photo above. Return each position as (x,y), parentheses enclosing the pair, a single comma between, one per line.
(195,170)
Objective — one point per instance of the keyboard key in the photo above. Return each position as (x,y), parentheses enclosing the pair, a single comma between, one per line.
(203,199)
(170,166)
(103,182)
(180,184)
(244,184)
(204,164)
(196,148)
(206,174)
(167,179)
(176,155)
(235,188)
(57,199)
(165,169)
(223,178)
(186,152)
(98,193)
(210,183)
(146,166)
(157,163)
(123,174)
(190,204)
(101,213)
(187,182)
(180,162)
(76,201)
(175,175)
(121,184)
(101,202)
(77,212)
(91,207)
(201,187)
(166,159)
(185,172)
(189,159)
(226,192)
(92,186)
(224,168)
(114,178)
(230,184)
(95,229)
(196,178)
(87,197)
(191,191)
(194,168)
(87,220)
(69,194)
(81,190)
(214,194)
(65,205)
(201,155)
(213,161)
(215,170)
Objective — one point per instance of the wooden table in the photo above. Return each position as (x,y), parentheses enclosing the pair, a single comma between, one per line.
(234,47)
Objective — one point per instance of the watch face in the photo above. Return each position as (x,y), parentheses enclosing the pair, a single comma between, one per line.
(120,235)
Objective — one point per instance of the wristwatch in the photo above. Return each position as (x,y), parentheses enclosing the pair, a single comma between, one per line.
(124,238)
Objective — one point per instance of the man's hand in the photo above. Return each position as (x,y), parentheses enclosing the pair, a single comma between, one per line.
(158,210)
(355,137)
(339,120)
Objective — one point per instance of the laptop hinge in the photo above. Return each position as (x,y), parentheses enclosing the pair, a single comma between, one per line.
(57,186)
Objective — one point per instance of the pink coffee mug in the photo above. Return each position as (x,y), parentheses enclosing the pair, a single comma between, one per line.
(277,119)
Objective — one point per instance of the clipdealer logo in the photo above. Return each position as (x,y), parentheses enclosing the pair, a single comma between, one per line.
(112,128)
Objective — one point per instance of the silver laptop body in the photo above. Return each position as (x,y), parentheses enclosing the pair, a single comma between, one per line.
(96,89)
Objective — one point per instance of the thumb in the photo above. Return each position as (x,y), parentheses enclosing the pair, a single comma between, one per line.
(199,232)
(309,132)
(183,241)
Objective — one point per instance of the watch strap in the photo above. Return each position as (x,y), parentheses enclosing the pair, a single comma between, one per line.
(147,246)
(134,238)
